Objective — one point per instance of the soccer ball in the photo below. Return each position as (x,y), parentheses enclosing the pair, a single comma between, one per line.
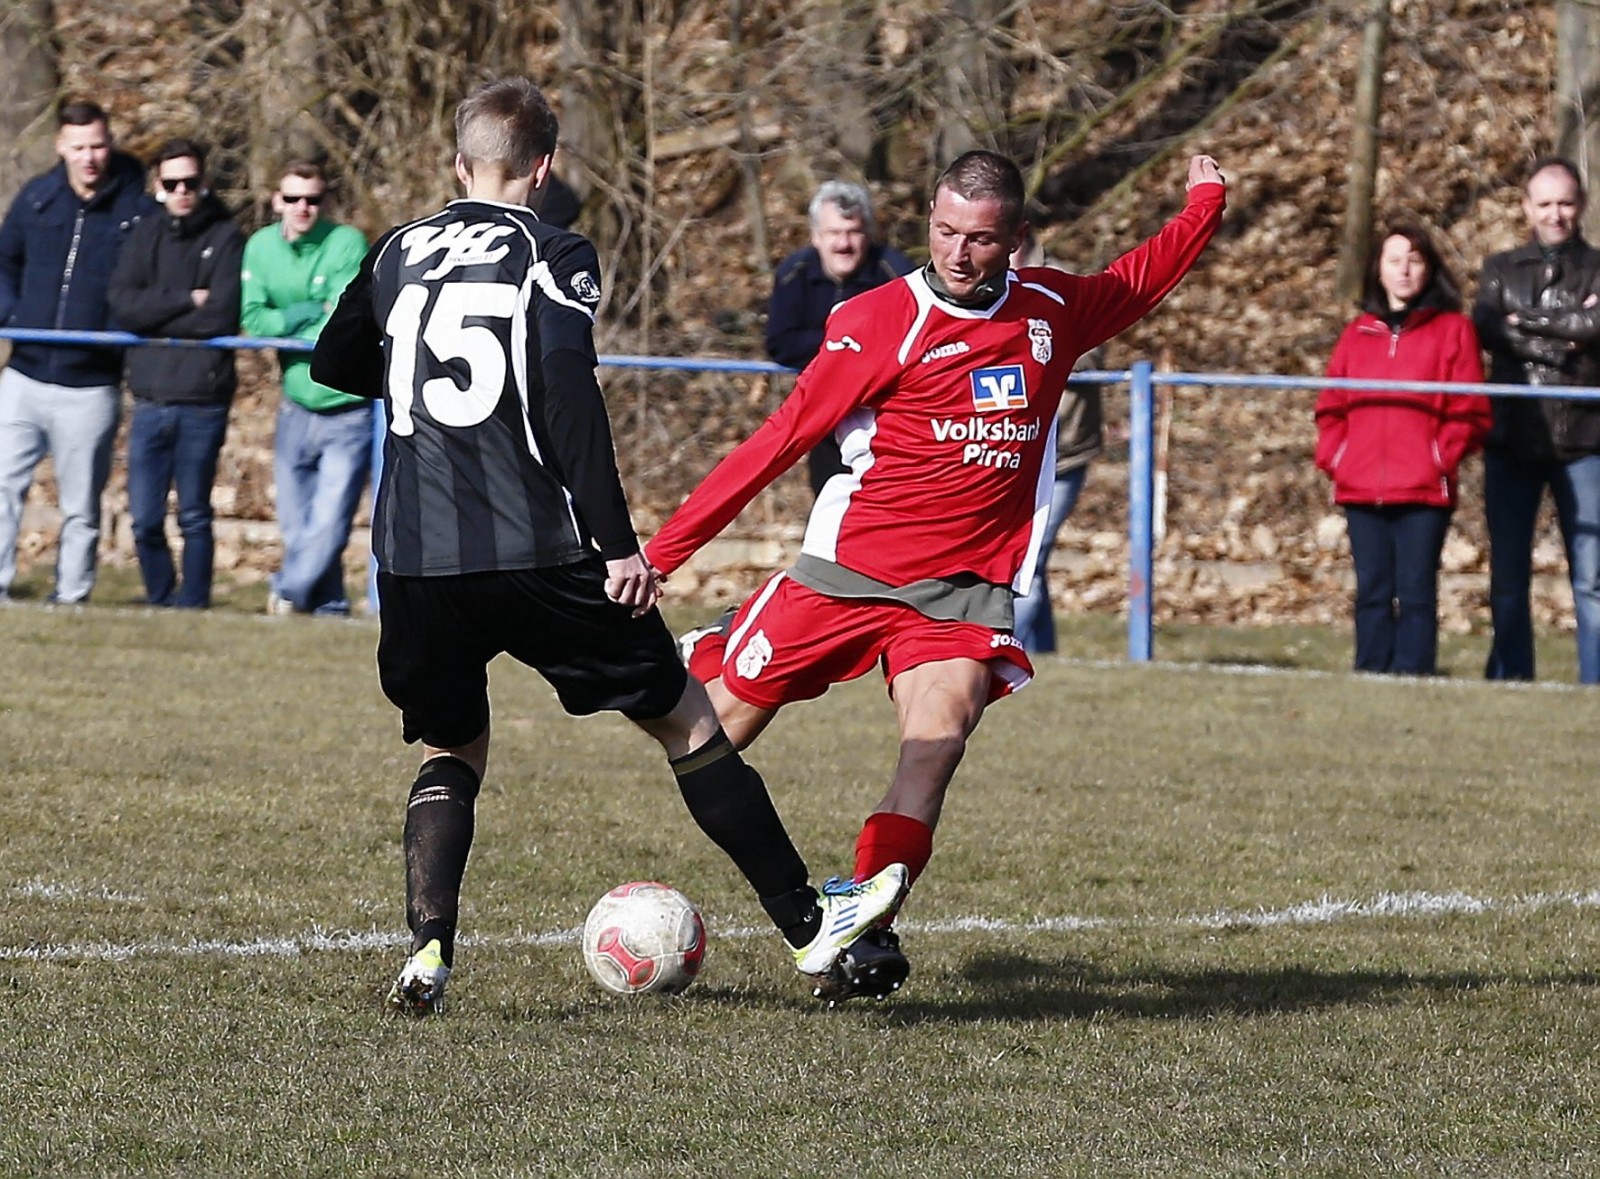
(644,938)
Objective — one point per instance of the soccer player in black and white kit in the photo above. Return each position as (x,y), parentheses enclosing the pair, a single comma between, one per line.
(501,525)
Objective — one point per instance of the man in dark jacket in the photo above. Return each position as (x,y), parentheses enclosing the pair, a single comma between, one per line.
(841,261)
(178,277)
(58,246)
(1538,314)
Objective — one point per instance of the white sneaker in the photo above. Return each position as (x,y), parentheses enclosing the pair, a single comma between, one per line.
(419,990)
(278,607)
(848,911)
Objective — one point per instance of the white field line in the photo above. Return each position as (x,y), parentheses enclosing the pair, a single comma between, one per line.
(1325,911)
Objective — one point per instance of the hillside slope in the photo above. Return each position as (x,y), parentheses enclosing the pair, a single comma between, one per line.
(1466,105)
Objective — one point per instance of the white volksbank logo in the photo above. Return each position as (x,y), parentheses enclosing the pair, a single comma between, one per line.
(842,343)
(998,389)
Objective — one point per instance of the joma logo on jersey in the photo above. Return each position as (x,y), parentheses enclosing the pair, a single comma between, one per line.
(996,390)
(944,350)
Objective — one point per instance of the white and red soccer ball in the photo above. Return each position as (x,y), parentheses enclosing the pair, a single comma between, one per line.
(644,938)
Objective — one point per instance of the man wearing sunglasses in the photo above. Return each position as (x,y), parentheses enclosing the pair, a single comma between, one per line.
(178,278)
(58,246)
(294,272)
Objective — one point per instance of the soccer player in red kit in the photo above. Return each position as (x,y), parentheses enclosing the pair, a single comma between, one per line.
(940,388)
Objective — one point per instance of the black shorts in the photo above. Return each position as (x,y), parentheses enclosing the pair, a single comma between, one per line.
(438,635)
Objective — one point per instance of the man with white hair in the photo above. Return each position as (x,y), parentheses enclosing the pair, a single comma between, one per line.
(842,261)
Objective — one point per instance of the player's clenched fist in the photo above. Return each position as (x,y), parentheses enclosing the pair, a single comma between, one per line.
(1204,170)
(631,582)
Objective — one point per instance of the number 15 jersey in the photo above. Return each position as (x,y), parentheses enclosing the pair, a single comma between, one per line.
(475,326)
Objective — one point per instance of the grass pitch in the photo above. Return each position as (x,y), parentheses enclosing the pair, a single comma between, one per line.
(1187,920)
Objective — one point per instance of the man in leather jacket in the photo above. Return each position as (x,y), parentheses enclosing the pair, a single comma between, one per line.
(178,278)
(1538,314)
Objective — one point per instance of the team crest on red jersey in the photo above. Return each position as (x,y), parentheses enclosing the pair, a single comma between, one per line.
(1043,341)
(998,389)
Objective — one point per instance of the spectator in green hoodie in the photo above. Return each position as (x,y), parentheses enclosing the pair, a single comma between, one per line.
(294,271)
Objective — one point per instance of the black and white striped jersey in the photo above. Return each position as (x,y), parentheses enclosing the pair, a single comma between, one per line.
(475,327)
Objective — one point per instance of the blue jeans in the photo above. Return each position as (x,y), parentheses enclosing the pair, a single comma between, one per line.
(174,446)
(1512,491)
(1035,626)
(75,427)
(320,462)
(1396,550)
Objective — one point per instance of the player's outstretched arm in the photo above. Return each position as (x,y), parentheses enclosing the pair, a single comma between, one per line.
(1131,287)
(857,362)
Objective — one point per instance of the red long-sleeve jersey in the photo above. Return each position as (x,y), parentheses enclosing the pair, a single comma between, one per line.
(943,416)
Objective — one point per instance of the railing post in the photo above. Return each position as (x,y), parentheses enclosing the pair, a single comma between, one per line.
(1141,509)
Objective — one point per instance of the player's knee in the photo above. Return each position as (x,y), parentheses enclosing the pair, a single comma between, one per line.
(445,779)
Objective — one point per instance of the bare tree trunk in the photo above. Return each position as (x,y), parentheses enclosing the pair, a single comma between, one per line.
(976,82)
(843,32)
(609,112)
(749,167)
(583,117)
(1578,95)
(282,60)
(27,91)
(1356,243)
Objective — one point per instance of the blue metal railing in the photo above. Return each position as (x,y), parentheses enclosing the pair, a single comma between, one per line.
(1141,379)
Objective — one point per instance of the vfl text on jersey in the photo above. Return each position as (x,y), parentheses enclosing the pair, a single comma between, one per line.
(462,243)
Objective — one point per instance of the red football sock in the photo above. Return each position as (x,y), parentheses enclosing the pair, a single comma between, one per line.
(893,839)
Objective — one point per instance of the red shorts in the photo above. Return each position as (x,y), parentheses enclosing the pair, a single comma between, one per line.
(788,643)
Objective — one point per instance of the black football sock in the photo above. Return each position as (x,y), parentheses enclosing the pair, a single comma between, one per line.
(795,913)
(729,802)
(438,836)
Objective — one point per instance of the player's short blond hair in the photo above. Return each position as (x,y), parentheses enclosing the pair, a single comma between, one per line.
(505,123)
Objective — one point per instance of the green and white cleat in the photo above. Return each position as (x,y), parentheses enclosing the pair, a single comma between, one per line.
(848,911)
(419,991)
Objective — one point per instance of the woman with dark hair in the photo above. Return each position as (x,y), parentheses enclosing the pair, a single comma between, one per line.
(1394,456)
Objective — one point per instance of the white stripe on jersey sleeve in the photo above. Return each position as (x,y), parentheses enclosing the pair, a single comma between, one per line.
(1042,495)
(547,286)
(519,361)
(924,296)
(1045,291)
(854,435)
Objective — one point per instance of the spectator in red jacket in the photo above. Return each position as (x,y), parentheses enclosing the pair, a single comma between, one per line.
(1394,456)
